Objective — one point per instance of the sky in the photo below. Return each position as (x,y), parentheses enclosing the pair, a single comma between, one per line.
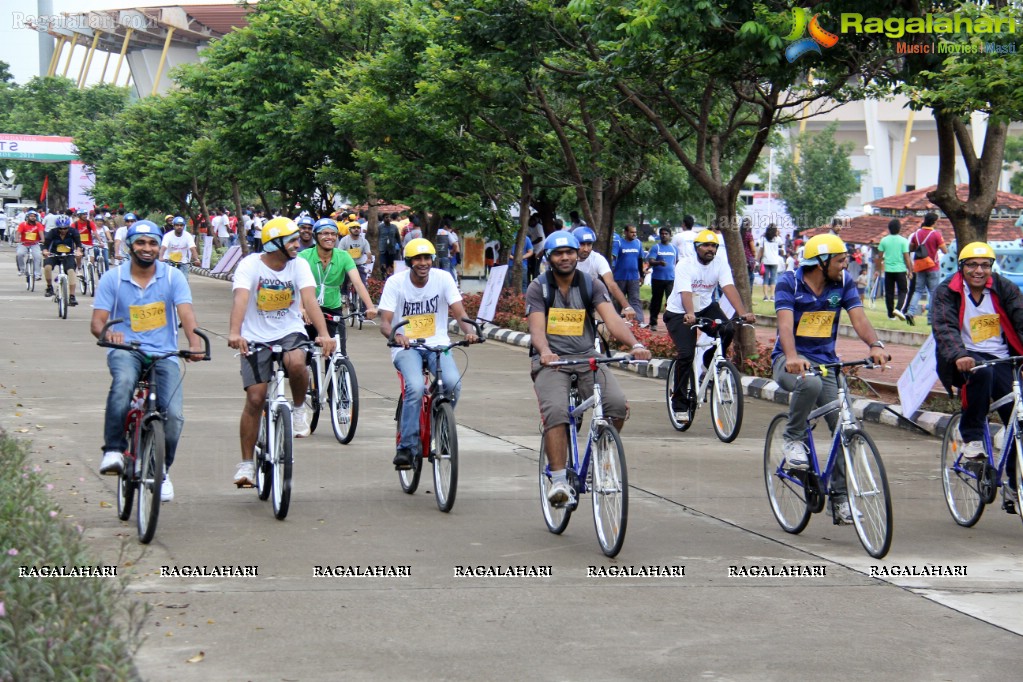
(19,46)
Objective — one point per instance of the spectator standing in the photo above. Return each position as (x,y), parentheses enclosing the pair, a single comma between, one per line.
(925,245)
(662,257)
(628,269)
(770,256)
(683,241)
(895,249)
(388,244)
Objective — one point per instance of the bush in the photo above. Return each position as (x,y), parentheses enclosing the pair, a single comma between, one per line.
(55,628)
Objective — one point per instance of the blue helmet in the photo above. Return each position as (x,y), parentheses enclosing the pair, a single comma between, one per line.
(585,235)
(325,224)
(63,221)
(130,216)
(178,220)
(304,220)
(143,228)
(559,240)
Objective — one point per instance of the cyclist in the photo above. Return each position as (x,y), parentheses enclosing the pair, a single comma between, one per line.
(423,295)
(178,247)
(30,235)
(151,298)
(120,248)
(809,302)
(564,288)
(597,267)
(86,232)
(692,296)
(305,232)
(978,316)
(62,246)
(331,267)
(103,237)
(270,290)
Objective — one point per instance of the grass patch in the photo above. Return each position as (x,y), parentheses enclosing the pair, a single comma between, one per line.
(55,628)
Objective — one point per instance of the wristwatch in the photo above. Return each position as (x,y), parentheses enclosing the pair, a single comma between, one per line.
(878,344)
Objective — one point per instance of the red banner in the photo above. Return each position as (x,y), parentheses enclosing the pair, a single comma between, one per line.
(46,186)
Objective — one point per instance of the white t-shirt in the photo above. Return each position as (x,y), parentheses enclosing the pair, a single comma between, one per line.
(982,328)
(772,252)
(595,265)
(683,242)
(179,249)
(699,279)
(275,301)
(220,224)
(120,235)
(50,221)
(426,307)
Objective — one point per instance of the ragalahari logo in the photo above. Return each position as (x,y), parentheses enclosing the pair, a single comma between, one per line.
(818,36)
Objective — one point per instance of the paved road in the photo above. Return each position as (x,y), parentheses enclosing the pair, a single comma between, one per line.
(694,503)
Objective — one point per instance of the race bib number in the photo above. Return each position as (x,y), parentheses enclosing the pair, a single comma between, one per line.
(565,322)
(817,325)
(269,300)
(984,327)
(63,248)
(421,326)
(31,236)
(355,252)
(148,317)
(175,257)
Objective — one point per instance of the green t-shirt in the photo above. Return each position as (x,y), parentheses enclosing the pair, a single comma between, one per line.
(329,279)
(894,246)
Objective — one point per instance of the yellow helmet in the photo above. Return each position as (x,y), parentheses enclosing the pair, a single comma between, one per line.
(418,247)
(823,245)
(976,250)
(278,228)
(167,218)
(707,237)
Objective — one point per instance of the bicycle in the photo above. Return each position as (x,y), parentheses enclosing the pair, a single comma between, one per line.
(144,431)
(30,271)
(87,275)
(608,482)
(274,456)
(970,485)
(340,389)
(721,378)
(61,291)
(438,434)
(797,492)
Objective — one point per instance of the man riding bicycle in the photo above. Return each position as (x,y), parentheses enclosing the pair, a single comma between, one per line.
(597,267)
(331,267)
(31,235)
(62,246)
(270,291)
(150,298)
(978,316)
(178,247)
(692,296)
(809,302)
(424,296)
(558,332)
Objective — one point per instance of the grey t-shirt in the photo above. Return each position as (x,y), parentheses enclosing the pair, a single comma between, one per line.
(567,345)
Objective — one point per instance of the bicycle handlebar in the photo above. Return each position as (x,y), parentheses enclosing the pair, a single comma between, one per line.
(421,343)
(593,362)
(275,347)
(341,318)
(821,369)
(135,345)
(712,324)
(1014,359)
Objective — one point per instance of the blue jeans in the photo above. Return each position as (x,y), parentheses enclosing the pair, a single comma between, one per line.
(102,253)
(925,281)
(125,370)
(410,363)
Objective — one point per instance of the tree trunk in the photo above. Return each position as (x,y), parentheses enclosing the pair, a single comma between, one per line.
(204,214)
(724,198)
(266,206)
(515,271)
(372,224)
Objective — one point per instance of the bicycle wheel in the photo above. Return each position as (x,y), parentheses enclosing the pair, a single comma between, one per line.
(556,518)
(786,488)
(281,462)
(869,499)
(690,388)
(610,490)
(409,478)
(344,401)
(126,481)
(312,398)
(961,484)
(30,273)
(444,452)
(91,274)
(726,402)
(150,466)
(62,298)
(262,461)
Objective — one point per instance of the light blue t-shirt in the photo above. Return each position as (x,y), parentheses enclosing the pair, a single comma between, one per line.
(667,253)
(118,294)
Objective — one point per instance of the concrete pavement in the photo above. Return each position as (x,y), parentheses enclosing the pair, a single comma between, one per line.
(694,502)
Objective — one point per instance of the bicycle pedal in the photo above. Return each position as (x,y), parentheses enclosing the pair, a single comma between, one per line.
(1009,507)
(245,484)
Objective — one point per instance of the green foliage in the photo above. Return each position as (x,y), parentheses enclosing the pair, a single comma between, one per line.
(1014,155)
(820,184)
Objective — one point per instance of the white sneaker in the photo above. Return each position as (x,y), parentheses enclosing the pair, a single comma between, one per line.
(560,494)
(974,450)
(300,422)
(899,314)
(112,464)
(167,489)
(795,453)
(245,475)
(842,511)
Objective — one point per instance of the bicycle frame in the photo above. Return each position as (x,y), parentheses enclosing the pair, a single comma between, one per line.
(1012,432)
(582,466)
(275,394)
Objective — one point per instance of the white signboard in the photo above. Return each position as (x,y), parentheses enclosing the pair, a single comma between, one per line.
(916,382)
(492,294)
(207,251)
(80,183)
(37,148)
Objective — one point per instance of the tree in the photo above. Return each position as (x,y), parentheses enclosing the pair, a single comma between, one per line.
(1014,162)
(821,182)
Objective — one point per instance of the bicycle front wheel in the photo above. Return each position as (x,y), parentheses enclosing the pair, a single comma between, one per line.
(444,451)
(409,478)
(726,402)
(556,518)
(62,298)
(91,274)
(961,483)
(150,467)
(261,459)
(312,398)
(344,401)
(1016,480)
(610,490)
(30,273)
(786,486)
(126,481)
(869,499)
(281,460)
(680,421)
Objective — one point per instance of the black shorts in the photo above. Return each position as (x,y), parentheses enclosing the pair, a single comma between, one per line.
(68,261)
(256,367)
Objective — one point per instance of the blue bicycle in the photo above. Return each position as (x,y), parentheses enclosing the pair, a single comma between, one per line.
(795,492)
(608,481)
